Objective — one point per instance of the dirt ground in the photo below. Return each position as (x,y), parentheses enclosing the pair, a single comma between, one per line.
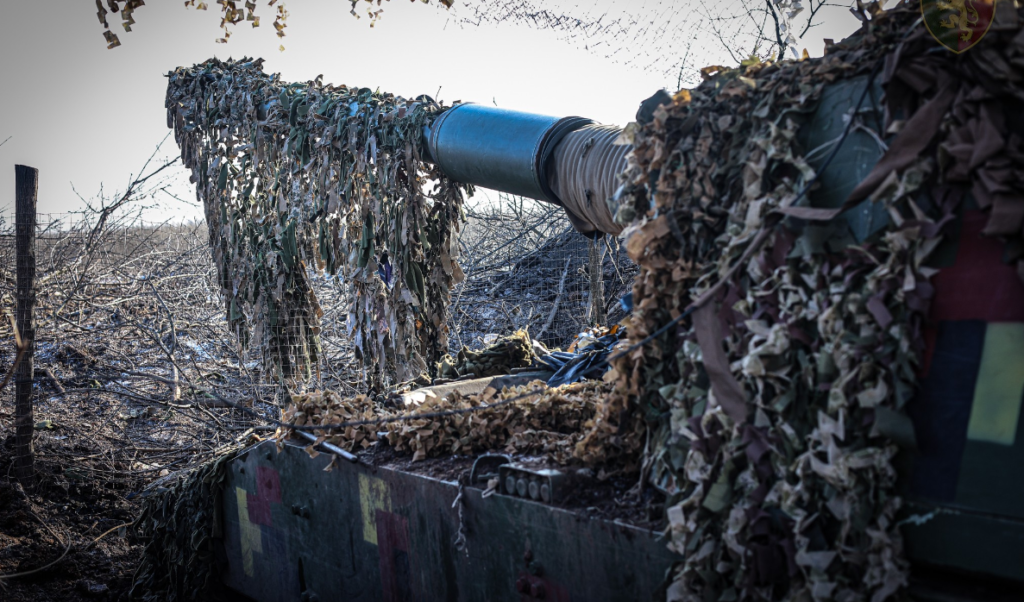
(70,537)
(132,361)
(83,491)
(36,530)
(130,342)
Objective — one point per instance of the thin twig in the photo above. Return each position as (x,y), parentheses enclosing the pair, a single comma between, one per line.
(558,300)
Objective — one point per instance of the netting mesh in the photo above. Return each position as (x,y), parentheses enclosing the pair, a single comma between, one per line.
(526,268)
(153,284)
(105,293)
(671,38)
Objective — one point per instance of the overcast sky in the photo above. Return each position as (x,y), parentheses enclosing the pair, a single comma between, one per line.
(88,116)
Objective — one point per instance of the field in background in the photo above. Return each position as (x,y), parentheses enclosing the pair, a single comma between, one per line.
(527,268)
(134,358)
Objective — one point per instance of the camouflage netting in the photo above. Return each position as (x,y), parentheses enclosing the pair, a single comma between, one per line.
(304,175)
(566,424)
(512,351)
(180,527)
(772,415)
(776,409)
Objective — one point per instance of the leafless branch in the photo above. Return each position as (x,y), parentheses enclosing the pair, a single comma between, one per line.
(779,40)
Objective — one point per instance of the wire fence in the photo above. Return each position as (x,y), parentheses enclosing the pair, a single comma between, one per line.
(526,268)
(129,328)
(127,282)
(669,38)
(138,300)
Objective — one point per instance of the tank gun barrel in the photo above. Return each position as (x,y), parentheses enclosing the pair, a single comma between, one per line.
(572,162)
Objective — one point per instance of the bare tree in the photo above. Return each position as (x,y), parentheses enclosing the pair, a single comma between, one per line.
(526,268)
(674,38)
(232,13)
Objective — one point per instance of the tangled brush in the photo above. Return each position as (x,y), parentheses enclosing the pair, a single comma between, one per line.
(776,410)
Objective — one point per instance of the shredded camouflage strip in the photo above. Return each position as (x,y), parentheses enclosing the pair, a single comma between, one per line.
(552,423)
(776,412)
(180,528)
(305,176)
(512,351)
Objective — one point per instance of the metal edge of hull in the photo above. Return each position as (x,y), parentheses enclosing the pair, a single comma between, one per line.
(295,532)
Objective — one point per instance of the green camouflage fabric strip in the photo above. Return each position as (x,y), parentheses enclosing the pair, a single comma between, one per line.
(303,176)
(768,410)
(775,413)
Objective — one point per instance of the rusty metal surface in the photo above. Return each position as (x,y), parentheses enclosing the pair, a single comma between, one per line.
(295,532)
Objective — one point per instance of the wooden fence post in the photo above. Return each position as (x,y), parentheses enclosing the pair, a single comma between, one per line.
(598,313)
(26,188)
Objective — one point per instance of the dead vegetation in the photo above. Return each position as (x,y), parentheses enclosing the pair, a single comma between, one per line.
(129,336)
(527,269)
(133,350)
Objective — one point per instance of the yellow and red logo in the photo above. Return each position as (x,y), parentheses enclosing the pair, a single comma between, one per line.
(958,24)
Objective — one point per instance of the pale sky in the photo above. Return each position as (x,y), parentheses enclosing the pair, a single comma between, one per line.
(89,116)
